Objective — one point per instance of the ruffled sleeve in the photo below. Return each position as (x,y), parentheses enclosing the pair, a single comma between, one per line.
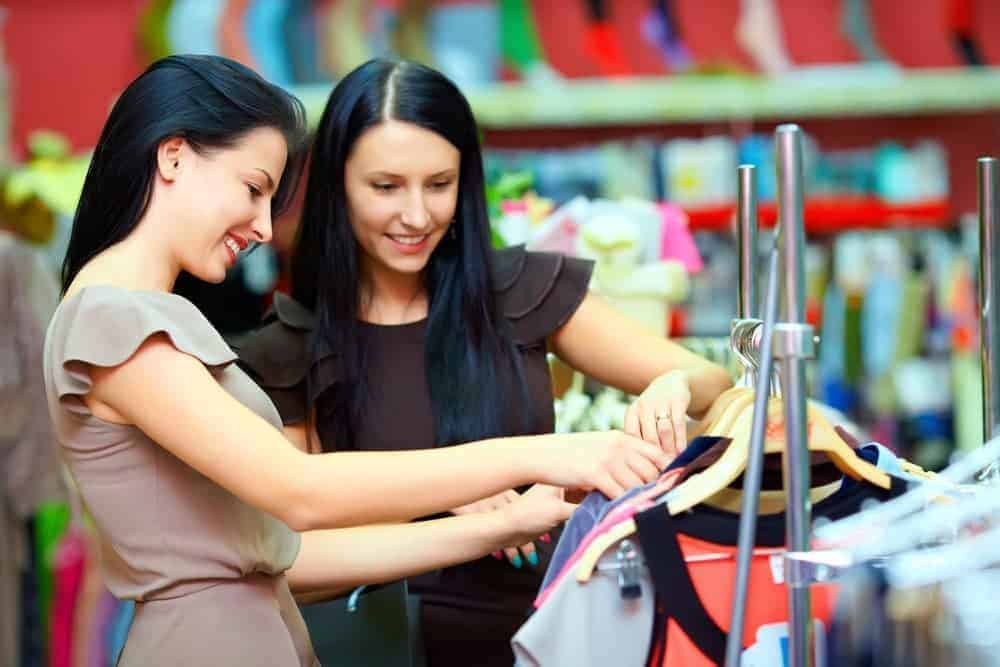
(104,326)
(276,356)
(538,292)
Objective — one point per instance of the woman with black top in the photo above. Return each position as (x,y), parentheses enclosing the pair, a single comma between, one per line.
(405,331)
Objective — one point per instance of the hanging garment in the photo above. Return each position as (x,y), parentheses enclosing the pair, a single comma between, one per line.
(29,473)
(99,651)
(31,641)
(70,566)
(856,22)
(759,32)
(687,624)
(118,631)
(596,506)
(662,30)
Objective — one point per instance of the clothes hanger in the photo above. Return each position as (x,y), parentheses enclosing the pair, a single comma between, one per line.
(702,486)
(821,438)
(708,423)
(908,514)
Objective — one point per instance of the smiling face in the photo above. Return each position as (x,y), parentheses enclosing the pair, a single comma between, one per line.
(220,200)
(402,190)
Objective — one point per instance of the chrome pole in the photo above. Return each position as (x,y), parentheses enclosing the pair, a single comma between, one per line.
(755,468)
(989,289)
(793,345)
(746,240)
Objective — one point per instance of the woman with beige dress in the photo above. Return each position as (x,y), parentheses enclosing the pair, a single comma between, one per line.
(198,498)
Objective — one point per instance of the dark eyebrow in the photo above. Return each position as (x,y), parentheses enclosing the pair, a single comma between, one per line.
(270,181)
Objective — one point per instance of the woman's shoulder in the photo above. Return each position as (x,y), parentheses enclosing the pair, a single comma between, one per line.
(276,353)
(538,291)
(108,321)
(104,325)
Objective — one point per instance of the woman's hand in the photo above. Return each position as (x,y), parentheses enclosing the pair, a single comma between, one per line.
(534,508)
(607,461)
(534,513)
(659,414)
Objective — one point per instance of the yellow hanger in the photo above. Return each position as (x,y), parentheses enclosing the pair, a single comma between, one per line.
(588,560)
(821,437)
(724,411)
(722,406)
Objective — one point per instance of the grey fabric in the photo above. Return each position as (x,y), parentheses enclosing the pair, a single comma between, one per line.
(589,625)
(29,468)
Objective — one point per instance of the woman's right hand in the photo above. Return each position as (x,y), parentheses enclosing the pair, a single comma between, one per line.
(607,461)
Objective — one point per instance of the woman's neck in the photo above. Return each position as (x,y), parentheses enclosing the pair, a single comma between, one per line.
(137,263)
(388,297)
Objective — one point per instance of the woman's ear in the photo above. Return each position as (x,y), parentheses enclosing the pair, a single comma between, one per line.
(168,158)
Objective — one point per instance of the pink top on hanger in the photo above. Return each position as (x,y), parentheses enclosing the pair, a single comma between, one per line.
(676,241)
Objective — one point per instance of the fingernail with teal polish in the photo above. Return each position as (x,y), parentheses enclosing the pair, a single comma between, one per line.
(516,562)
(533,559)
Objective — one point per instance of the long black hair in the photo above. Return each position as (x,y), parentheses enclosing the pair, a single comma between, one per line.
(473,370)
(210,101)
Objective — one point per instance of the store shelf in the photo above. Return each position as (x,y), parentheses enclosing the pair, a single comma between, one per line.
(827,215)
(816,92)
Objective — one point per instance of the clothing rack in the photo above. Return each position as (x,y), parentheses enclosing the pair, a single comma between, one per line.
(791,342)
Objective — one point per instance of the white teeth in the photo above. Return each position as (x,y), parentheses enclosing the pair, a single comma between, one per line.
(409,240)
(233,245)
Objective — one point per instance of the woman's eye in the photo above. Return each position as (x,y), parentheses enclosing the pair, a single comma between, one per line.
(254,190)
(384,187)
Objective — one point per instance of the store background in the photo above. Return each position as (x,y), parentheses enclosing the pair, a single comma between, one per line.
(892,265)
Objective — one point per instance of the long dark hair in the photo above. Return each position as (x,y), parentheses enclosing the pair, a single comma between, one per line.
(473,369)
(211,102)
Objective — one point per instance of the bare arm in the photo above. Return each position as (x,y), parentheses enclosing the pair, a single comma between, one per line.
(200,423)
(605,344)
(332,562)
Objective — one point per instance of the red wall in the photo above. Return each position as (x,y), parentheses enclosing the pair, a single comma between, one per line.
(69,58)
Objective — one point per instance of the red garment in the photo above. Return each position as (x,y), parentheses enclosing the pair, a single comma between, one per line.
(766,605)
(692,561)
(960,18)
(603,45)
(69,567)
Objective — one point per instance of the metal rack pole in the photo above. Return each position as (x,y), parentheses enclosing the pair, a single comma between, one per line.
(989,290)
(755,469)
(746,240)
(793,345)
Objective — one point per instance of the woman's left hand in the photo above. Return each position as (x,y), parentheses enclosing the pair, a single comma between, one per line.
(659,414)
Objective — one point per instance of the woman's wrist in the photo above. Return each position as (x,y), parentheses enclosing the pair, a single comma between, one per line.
(496,528)
(527,458)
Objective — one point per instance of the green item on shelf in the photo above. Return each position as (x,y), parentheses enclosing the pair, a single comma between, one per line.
(912,317)
(519,43)
(51,522)
(510,185)
(967,383)
(153,29)
(47,144)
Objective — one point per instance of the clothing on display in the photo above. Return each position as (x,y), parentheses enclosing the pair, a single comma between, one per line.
(29,469)
(689,563)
